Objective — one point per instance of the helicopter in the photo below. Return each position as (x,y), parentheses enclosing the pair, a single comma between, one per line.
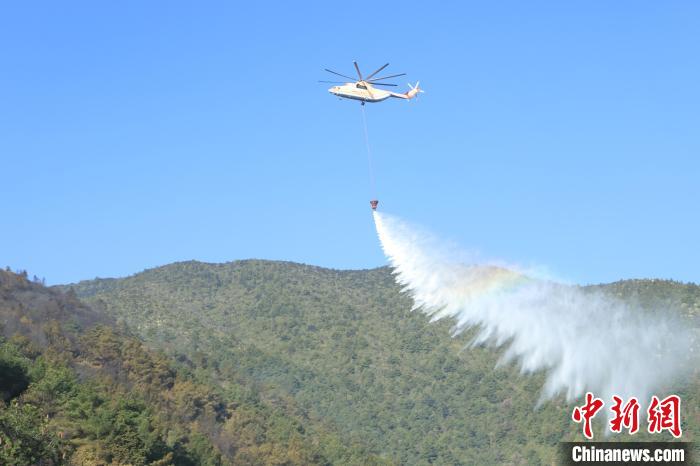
(363,88)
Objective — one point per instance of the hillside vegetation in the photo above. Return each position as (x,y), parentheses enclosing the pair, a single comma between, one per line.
(78,389)
(340,352)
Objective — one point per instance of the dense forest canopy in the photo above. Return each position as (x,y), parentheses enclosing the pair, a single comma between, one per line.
(259,362)
(341,351)
(80,389)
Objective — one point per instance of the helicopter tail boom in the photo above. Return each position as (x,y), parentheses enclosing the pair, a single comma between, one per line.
(411,93)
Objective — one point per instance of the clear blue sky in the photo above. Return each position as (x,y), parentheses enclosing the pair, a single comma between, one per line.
(134,134)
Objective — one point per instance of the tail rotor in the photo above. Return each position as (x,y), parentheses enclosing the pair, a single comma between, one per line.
(414,90)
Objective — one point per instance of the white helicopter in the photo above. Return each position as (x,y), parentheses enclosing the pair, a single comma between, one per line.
(363,89)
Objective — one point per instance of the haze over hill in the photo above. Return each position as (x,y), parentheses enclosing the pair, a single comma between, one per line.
(341,350)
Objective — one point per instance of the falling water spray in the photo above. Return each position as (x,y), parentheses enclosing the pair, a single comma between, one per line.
(583,340)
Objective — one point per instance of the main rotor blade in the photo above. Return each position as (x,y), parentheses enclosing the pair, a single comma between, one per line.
(348,77)
(358,70)
(387,77)
(380,69)
(334,82)
(382,84)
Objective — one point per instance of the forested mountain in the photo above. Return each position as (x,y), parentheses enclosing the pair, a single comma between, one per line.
(78,389)
(341,354)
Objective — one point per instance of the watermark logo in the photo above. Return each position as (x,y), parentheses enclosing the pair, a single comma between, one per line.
(665,415)
(587,412)
(661,415)
(626,416)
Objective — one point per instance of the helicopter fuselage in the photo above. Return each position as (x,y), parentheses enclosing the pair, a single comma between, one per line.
(357,91)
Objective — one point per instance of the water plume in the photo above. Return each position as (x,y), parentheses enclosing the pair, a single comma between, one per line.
(584,340)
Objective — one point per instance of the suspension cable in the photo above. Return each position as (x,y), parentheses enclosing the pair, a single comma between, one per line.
(373,190)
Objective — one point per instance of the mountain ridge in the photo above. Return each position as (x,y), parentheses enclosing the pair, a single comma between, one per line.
(235,262)
(345,348)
